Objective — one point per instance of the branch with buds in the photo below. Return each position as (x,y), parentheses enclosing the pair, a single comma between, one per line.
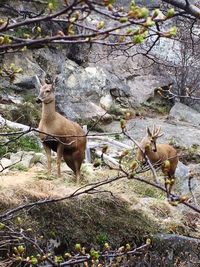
(134,26)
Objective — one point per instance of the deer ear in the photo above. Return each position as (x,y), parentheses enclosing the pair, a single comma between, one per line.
(149,132)
(42,82)
(38,83)
(55,80)
(51,87)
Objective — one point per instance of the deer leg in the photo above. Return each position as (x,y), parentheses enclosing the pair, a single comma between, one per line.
(171,183)
(60,149)
(168,186)
(48,153)
(78,175)
(79,157)
(74,161)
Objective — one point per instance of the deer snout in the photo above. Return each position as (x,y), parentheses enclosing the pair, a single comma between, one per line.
(154,147)
(38,100)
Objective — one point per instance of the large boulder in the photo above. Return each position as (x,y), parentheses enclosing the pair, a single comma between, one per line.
(143,86)
(24,158)
(4,165)
(79,90)
(173,248)
(182,112)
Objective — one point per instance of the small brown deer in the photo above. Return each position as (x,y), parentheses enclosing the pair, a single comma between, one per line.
(65,137)
(163,155)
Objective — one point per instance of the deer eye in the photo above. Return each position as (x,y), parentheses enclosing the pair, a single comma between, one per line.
(47,91)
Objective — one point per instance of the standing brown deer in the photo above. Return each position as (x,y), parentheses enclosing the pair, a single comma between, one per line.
(163,155)
(65,137)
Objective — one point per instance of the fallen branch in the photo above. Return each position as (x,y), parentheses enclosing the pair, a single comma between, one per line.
(110,141)
(108,158)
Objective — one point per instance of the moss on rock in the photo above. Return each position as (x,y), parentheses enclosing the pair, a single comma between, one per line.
(87,219)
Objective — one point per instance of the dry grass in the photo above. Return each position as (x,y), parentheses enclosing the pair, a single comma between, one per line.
(135,205)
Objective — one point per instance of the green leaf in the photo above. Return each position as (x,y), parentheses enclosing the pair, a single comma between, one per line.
(94,254)
(78,247)
(2,225)
(138,39)
(149,22)
(170,12)
(173,31)
(123,19)
(33,260)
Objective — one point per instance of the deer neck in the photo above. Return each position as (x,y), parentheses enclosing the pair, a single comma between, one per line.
(48,111)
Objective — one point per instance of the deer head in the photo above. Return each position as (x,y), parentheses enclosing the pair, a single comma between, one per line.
(46,93)
(152,136)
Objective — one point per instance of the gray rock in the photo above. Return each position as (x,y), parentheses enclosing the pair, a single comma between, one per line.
(182,175)
(25,80)
(106,102)
(10,98)
(25,159)
(50,61)
(195,181)
(126,3)
(143,86)
(4,164)
(182,171)
(149,3)
(79,90)
(104,73)
(184,113)
(40,158)
(172,247)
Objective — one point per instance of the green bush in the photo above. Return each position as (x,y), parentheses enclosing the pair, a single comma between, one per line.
(12,145)
(19,167)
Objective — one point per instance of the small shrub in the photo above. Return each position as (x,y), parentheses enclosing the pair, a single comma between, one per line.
(45,176)
(101,238)
(23,32)
(144,190)
(91,125)
(29,143)
(161,108)
(117,111)
(191,154)
(11,145)
(19,167)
